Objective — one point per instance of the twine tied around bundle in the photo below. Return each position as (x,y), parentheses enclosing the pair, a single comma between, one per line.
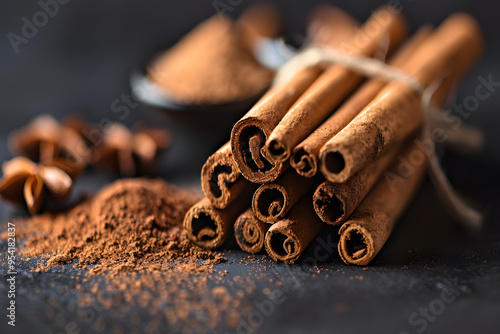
(463,137)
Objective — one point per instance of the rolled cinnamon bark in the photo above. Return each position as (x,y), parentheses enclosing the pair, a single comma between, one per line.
(369,227)
(250,232)
(221,180)
(289,237)
(334,202)
(209,227)
(272,201)
(332,86)
(250,133)
(397,111)
(305,155)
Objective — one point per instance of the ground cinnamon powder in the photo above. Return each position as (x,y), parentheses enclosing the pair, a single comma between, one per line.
(211,65)
(125,250)
(131,225)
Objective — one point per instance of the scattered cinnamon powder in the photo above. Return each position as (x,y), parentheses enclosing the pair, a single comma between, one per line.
(127,252)
(131,225)
(211,65)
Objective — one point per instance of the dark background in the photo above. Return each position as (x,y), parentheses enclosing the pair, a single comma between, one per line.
(81,61)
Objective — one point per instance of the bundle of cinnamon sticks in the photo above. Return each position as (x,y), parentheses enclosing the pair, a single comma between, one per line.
(330,146)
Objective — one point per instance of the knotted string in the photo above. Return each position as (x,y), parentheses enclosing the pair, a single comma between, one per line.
(466,136)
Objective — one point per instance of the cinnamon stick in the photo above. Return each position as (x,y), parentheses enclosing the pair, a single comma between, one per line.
(369,227)
(272,201)
(250,232)
(221,180)
(209,227)
(305,155)
(334,202)
(251,132)
(396,111)
(332,86)
(289,237)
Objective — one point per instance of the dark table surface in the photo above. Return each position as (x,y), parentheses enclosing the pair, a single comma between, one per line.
(81,61)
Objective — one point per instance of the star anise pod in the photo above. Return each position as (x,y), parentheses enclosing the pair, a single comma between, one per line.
(25,182)
(44,140)
(91,133)
(130,153)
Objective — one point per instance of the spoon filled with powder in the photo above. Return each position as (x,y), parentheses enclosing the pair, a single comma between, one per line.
(213,65)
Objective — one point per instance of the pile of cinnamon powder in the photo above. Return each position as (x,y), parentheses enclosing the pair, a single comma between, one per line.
(131,225)
(211,65)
